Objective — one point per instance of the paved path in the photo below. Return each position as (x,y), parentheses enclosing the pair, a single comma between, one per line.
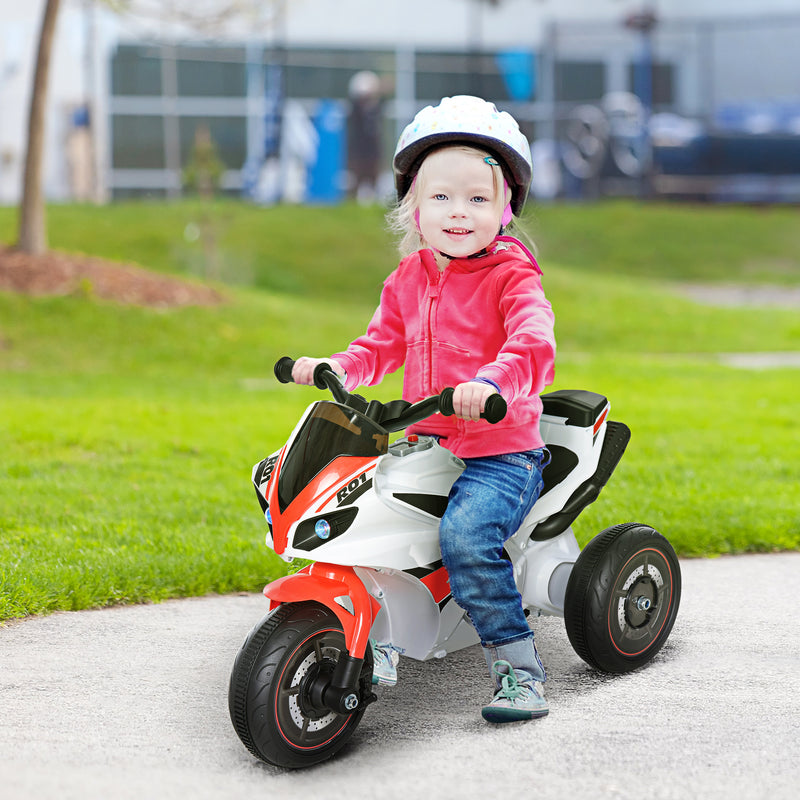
(132,703)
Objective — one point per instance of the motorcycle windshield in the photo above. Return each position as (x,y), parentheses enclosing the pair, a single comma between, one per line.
(330,430)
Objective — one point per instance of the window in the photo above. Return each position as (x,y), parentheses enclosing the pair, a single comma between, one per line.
(136,70)
(663,80)
(446,74)
(580,81)
(317,73)
(211,72)
(137,142)
(229,135)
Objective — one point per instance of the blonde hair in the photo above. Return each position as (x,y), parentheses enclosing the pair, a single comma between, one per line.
(402,219)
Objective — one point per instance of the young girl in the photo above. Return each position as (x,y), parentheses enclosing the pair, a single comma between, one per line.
(465,308)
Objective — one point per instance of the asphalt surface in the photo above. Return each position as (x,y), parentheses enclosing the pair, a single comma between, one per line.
(132,703)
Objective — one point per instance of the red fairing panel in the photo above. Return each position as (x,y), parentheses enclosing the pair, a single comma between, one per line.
(324,583)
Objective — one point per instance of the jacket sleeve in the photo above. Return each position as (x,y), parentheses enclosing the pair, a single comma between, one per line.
(382,349)
(525,362)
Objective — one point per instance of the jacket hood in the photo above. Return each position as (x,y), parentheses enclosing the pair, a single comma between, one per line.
(501,249)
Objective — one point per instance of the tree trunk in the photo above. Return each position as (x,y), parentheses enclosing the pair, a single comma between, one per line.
(32,228)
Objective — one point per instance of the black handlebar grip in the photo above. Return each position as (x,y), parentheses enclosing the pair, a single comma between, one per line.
(283,369)
(446,402)
(494,410)
(319,371)
(319,381)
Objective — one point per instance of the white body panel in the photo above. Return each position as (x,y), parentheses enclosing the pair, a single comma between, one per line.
(390,537)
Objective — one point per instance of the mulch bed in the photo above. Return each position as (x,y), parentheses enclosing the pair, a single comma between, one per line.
(55,273)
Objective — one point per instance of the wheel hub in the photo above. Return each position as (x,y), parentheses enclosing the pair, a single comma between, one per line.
(312,689)
(641,602)
(311,678)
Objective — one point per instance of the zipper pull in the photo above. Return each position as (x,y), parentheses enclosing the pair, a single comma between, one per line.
(434,283)
(432,270)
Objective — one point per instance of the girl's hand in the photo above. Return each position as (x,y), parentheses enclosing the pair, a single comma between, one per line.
(303,369)
(469,399)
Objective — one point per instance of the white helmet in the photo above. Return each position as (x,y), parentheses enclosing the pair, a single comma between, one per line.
(470,120)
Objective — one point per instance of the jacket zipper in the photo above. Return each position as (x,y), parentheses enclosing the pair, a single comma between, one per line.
(433,300)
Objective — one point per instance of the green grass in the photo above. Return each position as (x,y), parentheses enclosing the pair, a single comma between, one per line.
(338,253)
(128,434)
(674,242)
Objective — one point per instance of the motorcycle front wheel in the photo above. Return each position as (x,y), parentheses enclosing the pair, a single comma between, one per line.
(271,704)
(622,597)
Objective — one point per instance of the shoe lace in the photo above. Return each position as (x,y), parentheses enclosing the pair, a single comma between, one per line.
(510,687)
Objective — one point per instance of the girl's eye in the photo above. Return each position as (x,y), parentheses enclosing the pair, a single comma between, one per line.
(479,199)
(440,197)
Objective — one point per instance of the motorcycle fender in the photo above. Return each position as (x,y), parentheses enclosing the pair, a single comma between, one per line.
(339,589)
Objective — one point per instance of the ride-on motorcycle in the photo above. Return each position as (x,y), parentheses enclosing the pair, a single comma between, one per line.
(366,512)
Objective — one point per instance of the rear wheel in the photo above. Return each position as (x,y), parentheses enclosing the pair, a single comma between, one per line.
(622,597)
(273,697)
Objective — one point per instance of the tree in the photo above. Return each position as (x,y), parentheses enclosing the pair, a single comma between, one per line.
(32,233)
(32,237)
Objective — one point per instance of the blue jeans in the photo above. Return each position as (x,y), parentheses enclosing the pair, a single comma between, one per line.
(486,507)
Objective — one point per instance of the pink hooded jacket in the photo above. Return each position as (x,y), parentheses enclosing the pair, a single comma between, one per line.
(484,317)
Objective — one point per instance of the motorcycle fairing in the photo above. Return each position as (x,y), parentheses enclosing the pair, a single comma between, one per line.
(329,430)
(332,446)
(262,473)
(321,491)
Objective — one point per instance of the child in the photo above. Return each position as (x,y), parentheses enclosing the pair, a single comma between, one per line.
(465,308)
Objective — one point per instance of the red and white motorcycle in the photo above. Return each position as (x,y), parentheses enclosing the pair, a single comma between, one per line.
(366,512)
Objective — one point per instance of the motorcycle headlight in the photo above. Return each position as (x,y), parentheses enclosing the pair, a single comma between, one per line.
(317,531)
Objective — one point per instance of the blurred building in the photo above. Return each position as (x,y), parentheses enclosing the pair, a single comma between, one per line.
(127,93)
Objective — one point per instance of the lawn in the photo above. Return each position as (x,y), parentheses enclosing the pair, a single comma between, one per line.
(128,433)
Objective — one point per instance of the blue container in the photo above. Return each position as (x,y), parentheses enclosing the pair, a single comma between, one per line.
(326,176)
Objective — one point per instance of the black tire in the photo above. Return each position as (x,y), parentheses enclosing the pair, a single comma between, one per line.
(271,710)
(622,597)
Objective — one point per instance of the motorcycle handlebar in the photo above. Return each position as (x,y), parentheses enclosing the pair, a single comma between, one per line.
(283,369)
(494,410)
(283,372)
(326,378)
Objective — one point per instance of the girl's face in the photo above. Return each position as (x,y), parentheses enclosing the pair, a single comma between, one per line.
(459,210)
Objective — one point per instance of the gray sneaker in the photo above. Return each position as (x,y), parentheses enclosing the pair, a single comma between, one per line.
(385,658)
(516,699)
